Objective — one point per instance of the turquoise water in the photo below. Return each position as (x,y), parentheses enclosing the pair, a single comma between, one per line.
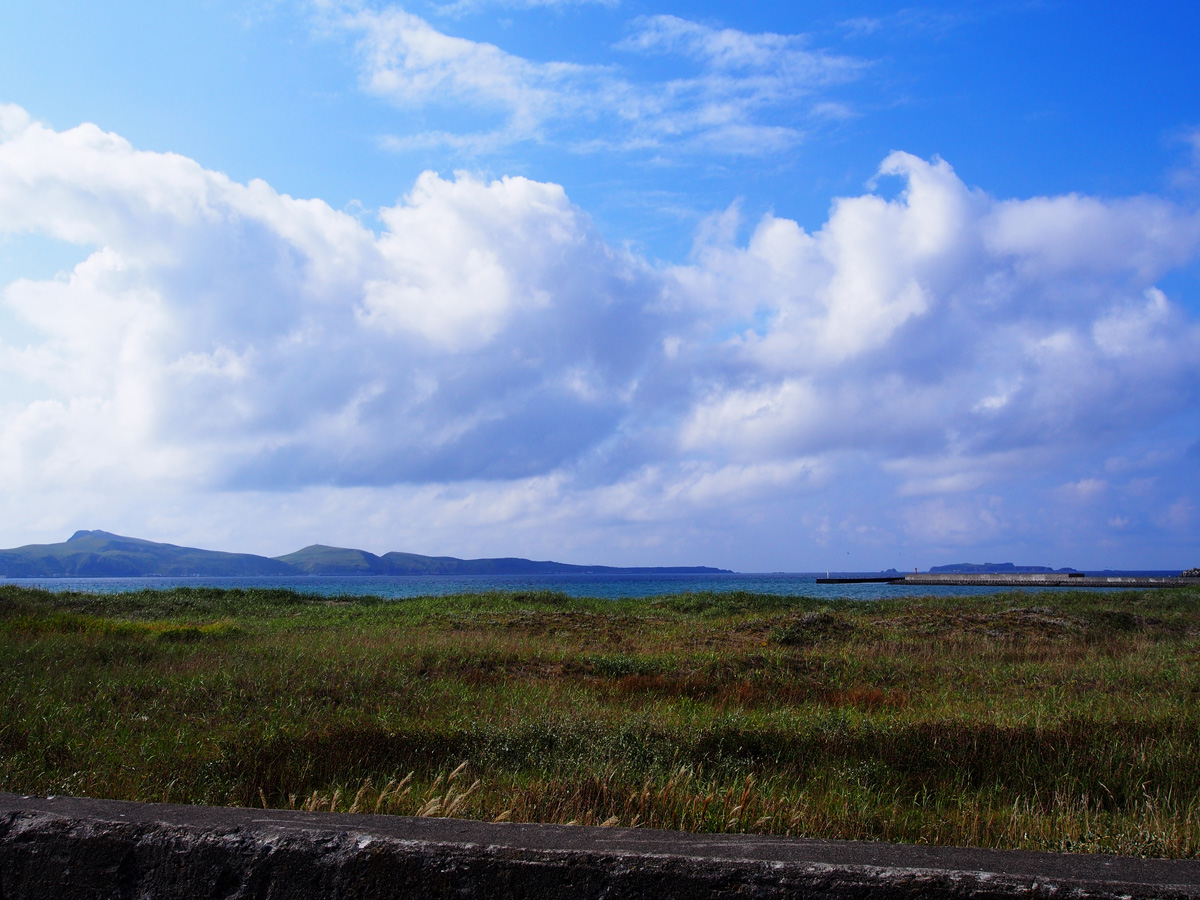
(607,586)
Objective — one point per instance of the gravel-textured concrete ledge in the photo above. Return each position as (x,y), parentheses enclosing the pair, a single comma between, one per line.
(75,848)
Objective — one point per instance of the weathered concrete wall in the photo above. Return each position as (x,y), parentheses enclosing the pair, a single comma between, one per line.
(71,848)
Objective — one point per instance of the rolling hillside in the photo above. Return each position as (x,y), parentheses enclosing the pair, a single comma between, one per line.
(99,554)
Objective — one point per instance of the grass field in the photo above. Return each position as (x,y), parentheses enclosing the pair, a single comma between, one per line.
(1054,721)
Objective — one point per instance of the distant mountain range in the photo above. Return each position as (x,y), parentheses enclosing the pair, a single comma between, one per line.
(992,569)
(98,554)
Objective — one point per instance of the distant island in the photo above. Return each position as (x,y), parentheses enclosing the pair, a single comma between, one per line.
(993,569)
(99,554)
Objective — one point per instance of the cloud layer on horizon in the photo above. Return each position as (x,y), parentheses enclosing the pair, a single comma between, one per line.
(487,362)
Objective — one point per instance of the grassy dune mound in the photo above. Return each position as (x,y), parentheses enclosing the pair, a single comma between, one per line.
(1054,721)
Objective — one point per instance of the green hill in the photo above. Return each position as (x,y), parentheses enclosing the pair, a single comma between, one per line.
(318,559)
(414,564)
(322,560)
(98,554)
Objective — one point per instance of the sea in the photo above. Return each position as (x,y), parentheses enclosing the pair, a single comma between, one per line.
(607,586)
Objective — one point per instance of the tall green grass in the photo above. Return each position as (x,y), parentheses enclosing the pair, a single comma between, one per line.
(1056,721)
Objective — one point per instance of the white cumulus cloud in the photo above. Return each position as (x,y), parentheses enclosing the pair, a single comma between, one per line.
(487,366)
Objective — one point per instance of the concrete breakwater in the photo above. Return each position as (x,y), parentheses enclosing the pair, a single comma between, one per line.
(1036,579)
(75,848)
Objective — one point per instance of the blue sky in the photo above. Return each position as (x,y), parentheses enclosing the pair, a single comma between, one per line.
(785,287)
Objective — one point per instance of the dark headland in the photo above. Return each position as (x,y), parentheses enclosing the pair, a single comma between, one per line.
(99,554)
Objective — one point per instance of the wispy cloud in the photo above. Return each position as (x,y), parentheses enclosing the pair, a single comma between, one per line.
(459,7)
(785,58)
(1187,175)
(740,94)
(904,23)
